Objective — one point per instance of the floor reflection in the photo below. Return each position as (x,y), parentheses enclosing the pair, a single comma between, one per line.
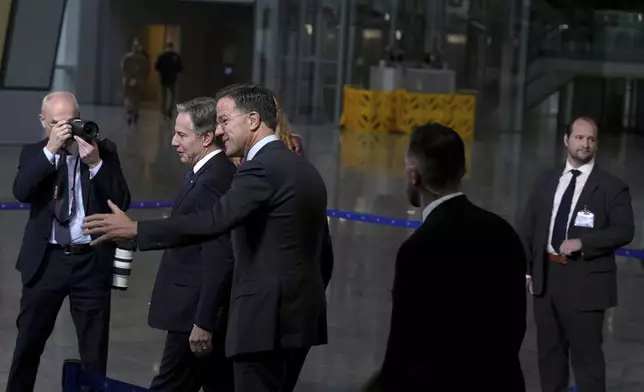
(363,172)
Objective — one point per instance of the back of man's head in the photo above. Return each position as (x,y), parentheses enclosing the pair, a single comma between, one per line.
(253,98)
(438,153)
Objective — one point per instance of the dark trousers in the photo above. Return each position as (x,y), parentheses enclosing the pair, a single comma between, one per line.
(183,371)
(168,100)
(565,332)
(269,371)
(88,286)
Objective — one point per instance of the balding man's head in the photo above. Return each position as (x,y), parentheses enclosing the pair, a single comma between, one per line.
(57,106)
(58,97)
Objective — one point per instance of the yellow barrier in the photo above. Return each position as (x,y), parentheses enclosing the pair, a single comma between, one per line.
(400,110)
(367,111)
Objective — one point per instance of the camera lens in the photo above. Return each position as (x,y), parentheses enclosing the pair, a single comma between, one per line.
(87,130)
(90,129)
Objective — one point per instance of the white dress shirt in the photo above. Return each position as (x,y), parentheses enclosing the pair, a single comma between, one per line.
(258,146)
(432,206)
(205,159)
(564,181)
(76,222)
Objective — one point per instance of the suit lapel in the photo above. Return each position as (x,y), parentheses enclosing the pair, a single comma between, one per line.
(549,192)
(183,192)
(187,186)
(550,188)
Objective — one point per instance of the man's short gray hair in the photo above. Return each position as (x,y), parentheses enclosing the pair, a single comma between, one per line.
(59,94)
(202,112)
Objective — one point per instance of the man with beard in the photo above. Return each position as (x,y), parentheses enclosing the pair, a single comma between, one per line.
(576,217)
(458,295)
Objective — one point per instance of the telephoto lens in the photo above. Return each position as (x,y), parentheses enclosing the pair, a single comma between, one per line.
(122,264)
(86,130)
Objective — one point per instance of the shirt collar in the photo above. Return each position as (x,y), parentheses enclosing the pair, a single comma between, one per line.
(258,146)
(584,169)
(205,159)
(432,206)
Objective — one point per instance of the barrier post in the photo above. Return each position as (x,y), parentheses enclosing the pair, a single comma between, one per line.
(71,375)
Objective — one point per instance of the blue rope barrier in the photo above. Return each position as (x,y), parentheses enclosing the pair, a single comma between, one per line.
(332,213)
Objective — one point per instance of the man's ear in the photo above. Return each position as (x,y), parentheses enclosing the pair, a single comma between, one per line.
(254,121)
(42,121)
(208,138)
(414,176)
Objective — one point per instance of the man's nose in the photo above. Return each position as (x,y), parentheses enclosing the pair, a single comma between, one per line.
(219,131)
(174,142)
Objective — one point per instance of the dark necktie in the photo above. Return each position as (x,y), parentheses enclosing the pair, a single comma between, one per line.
(62,233)
(561,220)
(190,175)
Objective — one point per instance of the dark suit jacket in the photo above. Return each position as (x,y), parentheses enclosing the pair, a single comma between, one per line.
(608,198)
(459,303)
(193,282)
(34,184)
(276,208)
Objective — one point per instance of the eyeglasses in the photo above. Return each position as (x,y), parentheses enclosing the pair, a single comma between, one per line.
(224,122)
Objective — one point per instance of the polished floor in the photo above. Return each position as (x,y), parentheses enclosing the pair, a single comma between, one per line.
(363,172)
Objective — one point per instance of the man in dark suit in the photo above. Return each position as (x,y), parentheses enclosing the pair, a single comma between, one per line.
(192,289)
(459,302)
(276,208)
(575,219)
(56,260)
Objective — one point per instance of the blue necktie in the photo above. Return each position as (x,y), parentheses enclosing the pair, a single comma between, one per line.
(190,175)
(561,220)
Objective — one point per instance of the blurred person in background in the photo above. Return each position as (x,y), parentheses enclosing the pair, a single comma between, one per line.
(134,73)
(64,178)
(467,265)
(192,290)
(169,65)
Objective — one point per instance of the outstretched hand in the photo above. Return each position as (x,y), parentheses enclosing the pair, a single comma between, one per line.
(110,227)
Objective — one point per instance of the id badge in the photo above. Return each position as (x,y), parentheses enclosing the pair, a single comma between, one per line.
(585,218)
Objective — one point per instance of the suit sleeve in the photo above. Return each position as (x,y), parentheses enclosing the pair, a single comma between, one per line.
(403,320)
(109,182)
(217,257)
(620,230)
(327,256)
(249,192)
(527,223)
(33,168)
(517,266)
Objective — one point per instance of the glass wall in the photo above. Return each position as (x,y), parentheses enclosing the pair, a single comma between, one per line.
(308,50)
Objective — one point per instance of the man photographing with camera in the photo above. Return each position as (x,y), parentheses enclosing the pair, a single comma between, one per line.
(70,174)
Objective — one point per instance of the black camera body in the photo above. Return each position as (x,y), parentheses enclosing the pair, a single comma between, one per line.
(86,130)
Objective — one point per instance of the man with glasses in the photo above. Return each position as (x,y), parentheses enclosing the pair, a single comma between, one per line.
(63,182)
(276,209)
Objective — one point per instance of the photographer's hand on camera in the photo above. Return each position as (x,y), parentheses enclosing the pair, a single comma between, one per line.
(88,152)
(60,134)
